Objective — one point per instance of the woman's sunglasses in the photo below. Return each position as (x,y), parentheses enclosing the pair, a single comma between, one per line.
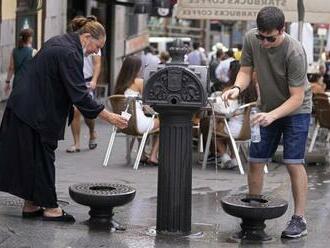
(268,38)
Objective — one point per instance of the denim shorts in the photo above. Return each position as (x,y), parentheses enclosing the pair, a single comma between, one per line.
(294,129)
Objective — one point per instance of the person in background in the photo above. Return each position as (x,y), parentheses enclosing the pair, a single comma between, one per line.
(19,58)
(238,53)
(129,84)
(326,71)
(164,57)
(35,118)
(317,84)
(222,70)
(196,57)
(235,123)
(148,59)
(92,70)
(285,102)
(216,85)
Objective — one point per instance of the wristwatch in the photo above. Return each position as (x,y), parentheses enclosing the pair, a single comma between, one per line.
(236,86)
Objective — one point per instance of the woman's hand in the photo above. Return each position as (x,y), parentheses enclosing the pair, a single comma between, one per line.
(118,121)
(114,119)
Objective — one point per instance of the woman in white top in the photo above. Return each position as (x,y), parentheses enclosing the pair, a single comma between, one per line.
(129,84)
(236,121)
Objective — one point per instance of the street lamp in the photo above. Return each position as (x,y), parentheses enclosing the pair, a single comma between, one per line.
(301,17)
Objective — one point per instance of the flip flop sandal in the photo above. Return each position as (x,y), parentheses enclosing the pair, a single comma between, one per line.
(149,162)
(144,159)
(72,149)
(37,213)
(65,217)
(92,144)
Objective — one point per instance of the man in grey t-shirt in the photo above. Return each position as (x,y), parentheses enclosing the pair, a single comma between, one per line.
(285,102)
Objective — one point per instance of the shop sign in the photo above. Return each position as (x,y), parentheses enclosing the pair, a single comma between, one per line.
(316,11)
(136,44)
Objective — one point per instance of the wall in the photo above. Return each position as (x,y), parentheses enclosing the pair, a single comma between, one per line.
(55,22)
(7,34)
(120,28)
(7,39)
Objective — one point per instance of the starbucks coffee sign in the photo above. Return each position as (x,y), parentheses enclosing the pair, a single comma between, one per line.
(316,11)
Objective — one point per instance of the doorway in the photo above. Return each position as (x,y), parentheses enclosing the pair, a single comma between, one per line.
(76,8)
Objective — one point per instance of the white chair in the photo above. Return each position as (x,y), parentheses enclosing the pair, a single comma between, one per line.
(119,104)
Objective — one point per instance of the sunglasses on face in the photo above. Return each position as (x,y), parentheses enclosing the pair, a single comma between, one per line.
(268,38)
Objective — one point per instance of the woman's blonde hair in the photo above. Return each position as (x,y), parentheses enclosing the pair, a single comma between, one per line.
(89,24)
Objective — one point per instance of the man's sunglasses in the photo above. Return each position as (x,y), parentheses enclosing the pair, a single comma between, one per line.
(268,38)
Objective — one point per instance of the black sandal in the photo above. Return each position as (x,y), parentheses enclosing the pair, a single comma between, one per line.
(34,214)
(149,162)
(92,144)
(65,217)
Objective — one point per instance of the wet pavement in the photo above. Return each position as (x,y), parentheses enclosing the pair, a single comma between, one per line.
(211,226)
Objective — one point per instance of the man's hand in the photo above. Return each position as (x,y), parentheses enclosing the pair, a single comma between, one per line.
(118,121)
(229,95)
(92,85)
(264,119)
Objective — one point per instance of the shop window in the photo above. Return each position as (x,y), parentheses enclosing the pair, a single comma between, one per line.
(132,23)
(27,17)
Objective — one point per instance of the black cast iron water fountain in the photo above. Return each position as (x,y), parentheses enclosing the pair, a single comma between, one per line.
(176,91)
(253,210)
(102,198)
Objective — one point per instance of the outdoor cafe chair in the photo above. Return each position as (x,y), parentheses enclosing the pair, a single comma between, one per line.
(321,108)
(119,104)
(237,143)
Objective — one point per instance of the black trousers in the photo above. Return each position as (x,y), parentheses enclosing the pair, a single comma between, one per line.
(26,162)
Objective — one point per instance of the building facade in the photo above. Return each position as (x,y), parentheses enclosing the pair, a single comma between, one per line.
(46,17)
(127,33)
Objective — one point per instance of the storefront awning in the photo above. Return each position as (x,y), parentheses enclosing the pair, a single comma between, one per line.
(316,11)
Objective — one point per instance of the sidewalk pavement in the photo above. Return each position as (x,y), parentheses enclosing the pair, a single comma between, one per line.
(212,226)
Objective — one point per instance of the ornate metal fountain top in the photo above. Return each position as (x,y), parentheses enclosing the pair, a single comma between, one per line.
(177,52)
(177,83)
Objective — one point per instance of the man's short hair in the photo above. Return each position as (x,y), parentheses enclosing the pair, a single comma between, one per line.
(270,18)
(196,45)
(148,49)
(230,53)
(219,53)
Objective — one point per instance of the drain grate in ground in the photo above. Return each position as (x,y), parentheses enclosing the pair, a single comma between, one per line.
(17,202)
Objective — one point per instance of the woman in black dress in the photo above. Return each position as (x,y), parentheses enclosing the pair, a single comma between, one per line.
(36,113)
(20,56)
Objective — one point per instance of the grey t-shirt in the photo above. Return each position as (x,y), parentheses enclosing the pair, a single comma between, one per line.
(277,69)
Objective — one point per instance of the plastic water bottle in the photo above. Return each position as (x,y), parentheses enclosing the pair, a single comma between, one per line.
(255,129)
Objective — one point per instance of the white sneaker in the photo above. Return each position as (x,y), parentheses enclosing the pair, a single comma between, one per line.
(233,164)
(225,161)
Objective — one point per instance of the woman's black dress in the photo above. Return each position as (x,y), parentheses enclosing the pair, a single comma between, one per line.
(35,117)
